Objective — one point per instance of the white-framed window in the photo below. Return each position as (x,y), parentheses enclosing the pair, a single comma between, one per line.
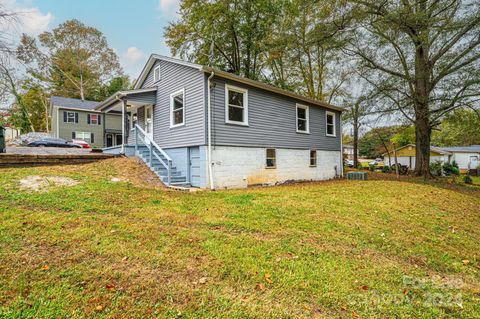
(177,108)
(313,158)
(95,119)
(134,119)
(84,136)
(271,158)
(303,125)
(70,117)
(236,105)
(330,123)
(156,73)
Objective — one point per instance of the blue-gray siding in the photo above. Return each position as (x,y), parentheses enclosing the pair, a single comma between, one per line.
(174,77)
(271,122)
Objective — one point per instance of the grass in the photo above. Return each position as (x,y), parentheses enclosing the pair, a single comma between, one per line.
(337,249)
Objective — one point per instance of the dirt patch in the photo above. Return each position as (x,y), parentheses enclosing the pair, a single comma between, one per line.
(42,183)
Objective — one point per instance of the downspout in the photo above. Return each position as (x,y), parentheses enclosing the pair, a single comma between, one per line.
(209,135)
(123,124)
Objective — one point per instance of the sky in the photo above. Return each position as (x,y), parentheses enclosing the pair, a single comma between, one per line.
(133,28)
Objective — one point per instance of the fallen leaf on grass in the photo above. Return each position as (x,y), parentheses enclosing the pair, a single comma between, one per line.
(125,258)
(110,287)
(99,308)
(268,278)
(45,267)
(260,287)
(202,280)
(364,287)
(465,261)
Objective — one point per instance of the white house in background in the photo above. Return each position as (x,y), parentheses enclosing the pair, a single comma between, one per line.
(467,157)
(406,156)
(348,151)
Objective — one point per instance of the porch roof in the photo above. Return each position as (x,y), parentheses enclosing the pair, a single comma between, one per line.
(137,97)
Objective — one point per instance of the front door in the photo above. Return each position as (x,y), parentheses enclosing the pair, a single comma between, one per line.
(149,122)
(194,166)
(109,139)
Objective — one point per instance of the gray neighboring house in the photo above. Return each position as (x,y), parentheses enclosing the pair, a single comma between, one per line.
(198,126)
(77,119)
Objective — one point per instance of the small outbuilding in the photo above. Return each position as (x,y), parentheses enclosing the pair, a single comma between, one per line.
(467,157)
(406,156)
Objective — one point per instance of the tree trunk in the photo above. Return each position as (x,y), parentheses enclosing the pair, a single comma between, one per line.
(355,141)
(422,140)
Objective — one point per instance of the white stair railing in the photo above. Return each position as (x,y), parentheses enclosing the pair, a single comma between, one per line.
(154,150)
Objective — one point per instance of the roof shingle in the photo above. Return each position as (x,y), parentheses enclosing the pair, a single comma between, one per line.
(67,102)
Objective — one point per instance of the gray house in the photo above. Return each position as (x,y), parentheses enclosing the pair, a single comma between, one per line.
(77,119)
(195,125)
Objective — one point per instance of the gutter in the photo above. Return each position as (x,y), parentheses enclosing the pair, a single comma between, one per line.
(209,133)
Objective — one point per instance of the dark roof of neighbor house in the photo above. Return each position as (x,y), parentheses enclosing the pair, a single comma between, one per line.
(66,102)
(462,149)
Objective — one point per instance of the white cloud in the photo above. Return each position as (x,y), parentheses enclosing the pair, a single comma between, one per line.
(168,7)
(132,61)
(30,20)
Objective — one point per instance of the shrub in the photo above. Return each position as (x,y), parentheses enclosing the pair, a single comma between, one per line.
(451,169)
(371,167)
(359,166)
(436,168)
(386,169)
(467,179)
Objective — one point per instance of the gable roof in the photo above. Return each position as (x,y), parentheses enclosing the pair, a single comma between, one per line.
(432,149)
(462,149)
(227,75)
(69,103)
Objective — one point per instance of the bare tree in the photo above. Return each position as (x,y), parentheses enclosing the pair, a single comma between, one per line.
(426,57)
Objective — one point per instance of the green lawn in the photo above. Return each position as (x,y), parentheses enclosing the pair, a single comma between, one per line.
(338,249)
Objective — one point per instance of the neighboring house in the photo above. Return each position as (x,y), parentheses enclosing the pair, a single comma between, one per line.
(77,119)
(11,133)
(219,130)
(348,151)
(406,156)
(467,157)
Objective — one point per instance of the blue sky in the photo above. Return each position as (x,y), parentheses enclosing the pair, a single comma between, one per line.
(133,28)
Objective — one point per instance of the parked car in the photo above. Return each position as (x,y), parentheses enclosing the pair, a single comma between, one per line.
(82,143)
(53,142)
(376,162)
(349,162)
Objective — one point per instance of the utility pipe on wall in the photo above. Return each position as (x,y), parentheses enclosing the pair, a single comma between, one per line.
(209,134)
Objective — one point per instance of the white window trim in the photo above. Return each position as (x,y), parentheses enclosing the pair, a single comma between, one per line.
(182,91)
(266,158)
(68,116)
(245,104)
(327,113)
(307,115)
(91,122)
(154,71)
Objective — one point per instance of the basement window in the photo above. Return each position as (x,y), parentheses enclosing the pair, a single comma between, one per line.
(271,158)
(313,158)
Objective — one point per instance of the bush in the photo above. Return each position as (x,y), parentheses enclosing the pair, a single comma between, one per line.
(451,169)
(436,168)
(359,166)
(467,179)
(386,169)
(371,167)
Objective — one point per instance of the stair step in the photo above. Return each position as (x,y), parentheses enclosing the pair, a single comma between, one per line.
(173,179)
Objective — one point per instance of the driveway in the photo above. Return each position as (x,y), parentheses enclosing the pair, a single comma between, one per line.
(46,150)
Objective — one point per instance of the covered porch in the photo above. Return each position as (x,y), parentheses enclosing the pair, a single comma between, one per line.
(136,107)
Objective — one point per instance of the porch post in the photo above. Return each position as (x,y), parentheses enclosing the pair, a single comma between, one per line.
(124,123)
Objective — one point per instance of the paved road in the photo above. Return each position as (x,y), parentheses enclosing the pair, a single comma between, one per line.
(46,150)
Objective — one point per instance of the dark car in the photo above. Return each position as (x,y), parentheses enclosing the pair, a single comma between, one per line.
(52,142)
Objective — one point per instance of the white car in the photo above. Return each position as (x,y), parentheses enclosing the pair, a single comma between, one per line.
(349,163)
(376,161)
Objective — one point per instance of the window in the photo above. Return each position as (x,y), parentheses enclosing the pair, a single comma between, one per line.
(302,119)
(84,136)
(70,117)
(271,158)
(236,105)
(313,158)
(330,119)
(94,119)
(156,73)
(134,120)
(177,108)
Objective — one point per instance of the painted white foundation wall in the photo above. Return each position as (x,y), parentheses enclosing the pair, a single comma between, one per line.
(238,167)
